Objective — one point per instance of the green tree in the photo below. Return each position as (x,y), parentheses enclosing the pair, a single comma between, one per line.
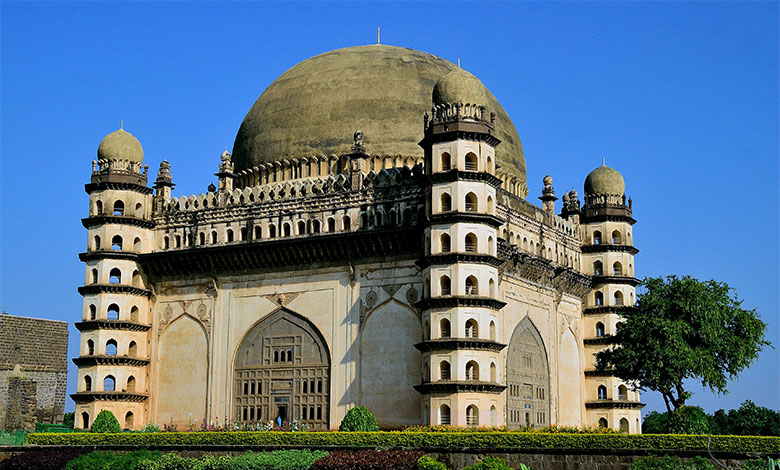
(682,328)
(106,422)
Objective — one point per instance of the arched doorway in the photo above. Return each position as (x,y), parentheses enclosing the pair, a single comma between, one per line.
(528,378)
(282,371)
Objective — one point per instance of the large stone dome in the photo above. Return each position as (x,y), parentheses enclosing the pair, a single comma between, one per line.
(120,145)
(315,107)
(605,180)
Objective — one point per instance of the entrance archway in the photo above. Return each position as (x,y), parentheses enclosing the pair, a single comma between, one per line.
(528,378)
(282,371)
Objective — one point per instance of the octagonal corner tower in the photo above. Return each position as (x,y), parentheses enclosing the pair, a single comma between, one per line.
(315,107)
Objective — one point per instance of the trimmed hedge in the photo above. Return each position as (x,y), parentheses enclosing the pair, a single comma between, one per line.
(369,460)
(422,440)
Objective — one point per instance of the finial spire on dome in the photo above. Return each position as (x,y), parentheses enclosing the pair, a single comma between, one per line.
(377,35)
(603,161)
(121,124)
(458,62)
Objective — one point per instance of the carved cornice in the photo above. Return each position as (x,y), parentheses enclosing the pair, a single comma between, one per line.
(334,249)
(88,397)
(600,373)
(600,340)
(92,325)
(96,220)
(452,344)
(117,185)
(457,175)
(467,217)
(631,281)
(614,404)
(453,258)
(459,386)
(542,271)
(107,254)
(603,248)
(103,360)
(606,310)
(459,301)
(114,289)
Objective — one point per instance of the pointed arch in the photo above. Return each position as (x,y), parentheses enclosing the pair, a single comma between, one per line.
(527,374)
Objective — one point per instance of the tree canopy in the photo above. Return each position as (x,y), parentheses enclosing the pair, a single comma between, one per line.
(683,328)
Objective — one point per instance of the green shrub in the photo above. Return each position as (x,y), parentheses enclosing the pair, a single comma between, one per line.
(111,461)
(756,464)
(359,419)
(174,462)
(276,460)
(490,463)
(685,420)
(429,463)
(106,422)
(369,460)
(668,462)
(68,419)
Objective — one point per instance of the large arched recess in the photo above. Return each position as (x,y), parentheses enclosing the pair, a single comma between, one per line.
(282,370)
(569,381)
(182,375)
(527,378)
(390,365)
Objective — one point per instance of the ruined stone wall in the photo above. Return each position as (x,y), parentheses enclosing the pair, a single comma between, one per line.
(39,348)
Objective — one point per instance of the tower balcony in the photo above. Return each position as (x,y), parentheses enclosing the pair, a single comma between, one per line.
(459,386)
(453,344)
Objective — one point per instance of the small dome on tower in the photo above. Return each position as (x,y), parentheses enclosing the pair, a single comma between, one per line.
(604,180)
(120,145)
(459,86)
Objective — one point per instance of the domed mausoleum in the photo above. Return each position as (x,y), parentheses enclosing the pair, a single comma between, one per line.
(368,242)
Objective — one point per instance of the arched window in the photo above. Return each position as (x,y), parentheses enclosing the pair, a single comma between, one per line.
(139,210)
(134,314)
(493,374)
(87,383)
(602,392)
(472,286)
(137,244)
(132,349)
(446,202)
(444,415)
(471,162)
(492,330)
(99,208)
(598,268)
(243,234)
(631,297)
(85,420)
(491,287)
(115,276)
(271,231)
(493,416)
(92,312)
(470,243)
(622,392)
(131,384)
(617,269)
(446,163)
(96,244)
(109,384)
(490,204)
(444,242)
(472,415)
(119,208)
(90,347)
(286,229)
(213,237)
(491,246)
(425,372)
(258,233)
(113,312)
(301,227)
(201,238)
(426,331)
(229,235)
(618,298)
(599,297)
(111,347)
(624,425)
(445,287)
(599,329)
(331,224)
(472,330)
(603,423)
(137,282)
(597,238)
(471,202)
(472,370)
(489,165)
(94,275)
(116,243)
(166,242)
(178,240)
(346,223)
(444,328)
(315,226)
(444,370)
(129,420)
(616,238)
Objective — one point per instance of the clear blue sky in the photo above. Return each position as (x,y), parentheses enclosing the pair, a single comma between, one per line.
(682,98)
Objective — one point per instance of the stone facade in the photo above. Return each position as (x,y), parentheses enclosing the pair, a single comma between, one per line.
(33,371)
(423,286)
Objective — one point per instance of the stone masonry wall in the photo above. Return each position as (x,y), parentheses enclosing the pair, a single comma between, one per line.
(40,349)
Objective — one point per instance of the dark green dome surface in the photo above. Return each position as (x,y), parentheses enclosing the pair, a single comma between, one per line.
(315,107)
(604,180)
